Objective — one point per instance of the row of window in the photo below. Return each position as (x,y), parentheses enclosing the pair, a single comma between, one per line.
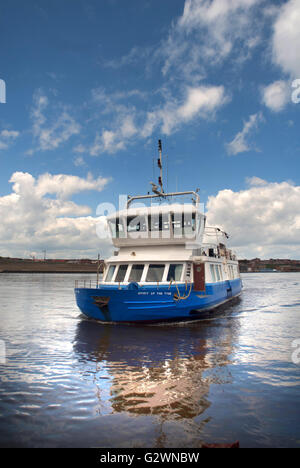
(232,271)
(160,272)
(181,224)
(217,272)
(155,273)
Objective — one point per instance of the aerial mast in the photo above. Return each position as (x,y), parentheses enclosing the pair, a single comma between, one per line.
(159,163)
(155,188)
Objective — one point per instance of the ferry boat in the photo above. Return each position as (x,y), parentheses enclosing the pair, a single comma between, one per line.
(170,266)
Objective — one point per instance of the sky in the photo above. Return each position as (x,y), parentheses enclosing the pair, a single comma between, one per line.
(87,87)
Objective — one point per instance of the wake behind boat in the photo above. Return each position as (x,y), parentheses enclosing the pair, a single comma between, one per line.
(170,266)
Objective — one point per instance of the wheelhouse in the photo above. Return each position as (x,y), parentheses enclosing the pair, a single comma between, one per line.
(165,224)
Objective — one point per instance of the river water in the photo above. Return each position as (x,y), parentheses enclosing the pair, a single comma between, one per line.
(70,382)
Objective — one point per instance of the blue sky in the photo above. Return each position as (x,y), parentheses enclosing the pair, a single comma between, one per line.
(92,85)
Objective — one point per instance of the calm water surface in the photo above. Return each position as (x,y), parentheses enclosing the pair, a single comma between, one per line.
(69,382)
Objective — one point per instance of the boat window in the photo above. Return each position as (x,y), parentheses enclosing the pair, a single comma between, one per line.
(200,222)
(221,273)
(189,223)
(213,274)
(217,272)
(117,228)
(177,220)
(175,271)
(110,273)
(159,222)
(211,253)
(155,272)
(183,223)
(136,273)
(121,273)
(136,224)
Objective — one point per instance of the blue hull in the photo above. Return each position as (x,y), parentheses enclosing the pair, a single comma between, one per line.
(149,304)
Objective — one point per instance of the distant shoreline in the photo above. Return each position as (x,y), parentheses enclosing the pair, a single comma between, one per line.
(68,272)
(89,266)
(16,265)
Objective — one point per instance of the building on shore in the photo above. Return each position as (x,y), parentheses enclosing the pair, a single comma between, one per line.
(271,265)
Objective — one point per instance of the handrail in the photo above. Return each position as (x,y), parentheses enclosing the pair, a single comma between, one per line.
(163,195)
(86,284)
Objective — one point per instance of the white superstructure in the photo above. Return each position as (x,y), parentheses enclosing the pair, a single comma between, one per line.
(160,243)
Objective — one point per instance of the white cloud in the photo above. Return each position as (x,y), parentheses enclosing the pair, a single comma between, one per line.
(207,33)
(198,102)
(108,141)
(51,134)
(7,137)
(38,214)
(263,220)
(286,38)
(276,95)
(128,128)
(117,121)
(202,101)
(9,134)
(256,181)
(133,56)
(79,161)
(240,144)
(79,149)
(65,186)
(128,123)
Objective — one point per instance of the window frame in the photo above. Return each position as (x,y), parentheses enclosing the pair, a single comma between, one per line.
(213,273)
(130,270)
(221,272)
(126,273)
(218,278)
(155,281)
(168,270)
(112,278)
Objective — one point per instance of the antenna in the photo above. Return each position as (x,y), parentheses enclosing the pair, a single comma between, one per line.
(159,163)
(155,188)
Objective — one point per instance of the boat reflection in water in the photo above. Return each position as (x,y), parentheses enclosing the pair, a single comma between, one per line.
(164,371)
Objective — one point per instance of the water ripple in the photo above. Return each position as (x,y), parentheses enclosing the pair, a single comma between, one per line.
(68,381)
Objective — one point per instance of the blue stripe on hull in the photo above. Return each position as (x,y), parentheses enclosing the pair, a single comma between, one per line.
(151,303)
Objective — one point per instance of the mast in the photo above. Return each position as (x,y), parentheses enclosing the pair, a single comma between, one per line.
(155,189)
(158,190)
(159,163)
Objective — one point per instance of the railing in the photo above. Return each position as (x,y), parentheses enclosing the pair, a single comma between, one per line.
(164,195)
(86,284)
(213,250)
